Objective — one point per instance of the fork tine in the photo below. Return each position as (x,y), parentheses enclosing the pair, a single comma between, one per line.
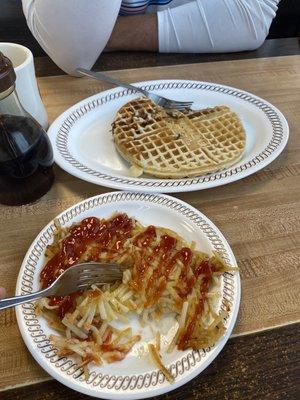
(177,106)
(179,102)
(184,102)
(84,286)
(87,279)
(88,284)
(82,276)
(93,279)
(98,277)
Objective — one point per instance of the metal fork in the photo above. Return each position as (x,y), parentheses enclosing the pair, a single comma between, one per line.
(159,100)
(77,277)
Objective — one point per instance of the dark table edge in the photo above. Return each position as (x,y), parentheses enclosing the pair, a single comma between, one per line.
(260,365)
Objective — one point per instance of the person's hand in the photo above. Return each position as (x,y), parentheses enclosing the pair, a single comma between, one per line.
(2,293)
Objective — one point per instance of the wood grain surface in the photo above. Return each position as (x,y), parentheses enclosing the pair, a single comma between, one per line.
(260,215)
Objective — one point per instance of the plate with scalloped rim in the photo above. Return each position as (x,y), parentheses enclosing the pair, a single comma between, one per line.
(83,144)
(135,377)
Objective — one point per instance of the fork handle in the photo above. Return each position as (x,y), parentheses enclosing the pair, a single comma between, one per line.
(15,301)
(102,77)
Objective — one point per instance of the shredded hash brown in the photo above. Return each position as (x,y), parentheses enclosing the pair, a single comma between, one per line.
(162,274)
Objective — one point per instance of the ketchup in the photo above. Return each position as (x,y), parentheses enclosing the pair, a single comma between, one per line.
(65,304)
(108,235)
(204,268)
(166,256)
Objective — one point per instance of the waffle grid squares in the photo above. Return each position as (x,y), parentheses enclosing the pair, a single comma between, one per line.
(178,146)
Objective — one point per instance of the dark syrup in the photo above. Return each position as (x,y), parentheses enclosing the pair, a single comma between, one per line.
(26,160)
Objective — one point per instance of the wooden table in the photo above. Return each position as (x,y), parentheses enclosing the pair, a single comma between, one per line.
(258,215)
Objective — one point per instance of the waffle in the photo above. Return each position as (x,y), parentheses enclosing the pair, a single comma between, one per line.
(177,144)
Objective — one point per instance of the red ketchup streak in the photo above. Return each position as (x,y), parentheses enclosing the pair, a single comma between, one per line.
(108,235)
(206,269)
(66,304)
(141,265)
(165,256)
(166,265)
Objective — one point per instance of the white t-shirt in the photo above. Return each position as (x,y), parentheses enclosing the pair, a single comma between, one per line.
(75,32)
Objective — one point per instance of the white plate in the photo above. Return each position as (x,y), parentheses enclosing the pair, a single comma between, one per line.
(83,143)
(135,377)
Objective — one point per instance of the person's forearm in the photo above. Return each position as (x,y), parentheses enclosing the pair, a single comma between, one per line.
(137,33)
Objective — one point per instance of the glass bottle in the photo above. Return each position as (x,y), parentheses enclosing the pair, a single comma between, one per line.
(26,156)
